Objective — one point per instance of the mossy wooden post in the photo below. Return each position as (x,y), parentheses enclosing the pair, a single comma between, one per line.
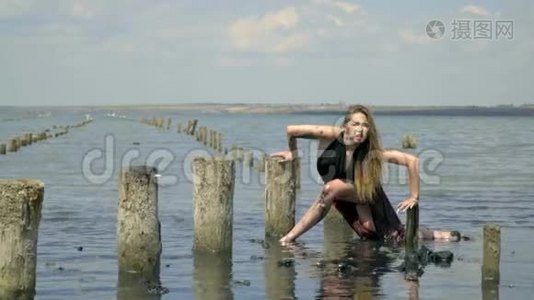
(411,243)
(280,194)
(219,142)
(192,126)
(29,138)
(138,227)
(248,159)
(2,149)
(12,145)
(213,193)
(20,214)
(492,254)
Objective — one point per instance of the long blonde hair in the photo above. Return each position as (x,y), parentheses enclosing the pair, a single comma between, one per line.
(368,159)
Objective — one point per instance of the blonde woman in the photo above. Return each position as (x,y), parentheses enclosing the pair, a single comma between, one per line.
(351,168)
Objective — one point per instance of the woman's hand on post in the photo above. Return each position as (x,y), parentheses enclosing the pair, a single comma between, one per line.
(286,155)
(407,203)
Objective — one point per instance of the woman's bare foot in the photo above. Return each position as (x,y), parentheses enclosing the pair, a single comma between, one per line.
(453,236)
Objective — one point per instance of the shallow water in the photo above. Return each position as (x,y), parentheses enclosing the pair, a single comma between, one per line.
(475,170)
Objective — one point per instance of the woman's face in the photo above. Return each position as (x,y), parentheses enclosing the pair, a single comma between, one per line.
(356,129)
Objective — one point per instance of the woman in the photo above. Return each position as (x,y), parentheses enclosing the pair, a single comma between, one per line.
(351,168)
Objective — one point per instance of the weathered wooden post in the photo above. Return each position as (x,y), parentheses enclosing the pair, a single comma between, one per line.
(12,145)
(411,240)
(219,142)
(138,227)
(213,192)
(20,214)
(492,254)
(2,149)
(192,126)
(169,121)
(408,141)
(29,138)
(280,194)
(248,159)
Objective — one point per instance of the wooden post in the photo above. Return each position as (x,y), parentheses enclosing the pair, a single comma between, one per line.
(29,138)
(193,126)
(2,149)
(213,192)
(297,173)
(492,254)
(138,227)
(280,194)
(412,230)
(179,128)
(13,145)
(248,159)
(219,142)
(169,121)
(20,214)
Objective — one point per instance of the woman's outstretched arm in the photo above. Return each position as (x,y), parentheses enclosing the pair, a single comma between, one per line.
(412,163)
(320,132)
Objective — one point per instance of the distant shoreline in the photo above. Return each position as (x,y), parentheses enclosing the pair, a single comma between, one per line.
(500,110)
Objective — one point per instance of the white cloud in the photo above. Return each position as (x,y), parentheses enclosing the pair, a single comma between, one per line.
(475,10)
(336,20)
(346,6)
(82,10)
(273,33)
(15,7)
(408,36)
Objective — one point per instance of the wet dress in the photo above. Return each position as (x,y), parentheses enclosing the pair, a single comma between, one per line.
(331,165)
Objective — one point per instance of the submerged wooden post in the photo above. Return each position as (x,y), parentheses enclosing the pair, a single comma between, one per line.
(412,231)
(213,192)
(492,254)
(20,214)
(138,227)
(279,272)
(280,194)
(12,145)
(2,149)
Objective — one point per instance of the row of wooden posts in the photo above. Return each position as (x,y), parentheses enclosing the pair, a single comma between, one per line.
(214,139)
(138,226)
(27,139)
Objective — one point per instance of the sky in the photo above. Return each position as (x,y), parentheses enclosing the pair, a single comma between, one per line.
(100,52)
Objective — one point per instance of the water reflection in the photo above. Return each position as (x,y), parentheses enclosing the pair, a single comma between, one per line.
(136,287)
(351,268)
(279,269)
(212,276)
(490,291)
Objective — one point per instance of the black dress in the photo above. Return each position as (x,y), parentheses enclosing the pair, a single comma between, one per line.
(331,165)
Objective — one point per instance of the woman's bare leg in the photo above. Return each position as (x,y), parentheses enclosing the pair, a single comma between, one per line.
(427,234)
(333,190)
(313,215)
